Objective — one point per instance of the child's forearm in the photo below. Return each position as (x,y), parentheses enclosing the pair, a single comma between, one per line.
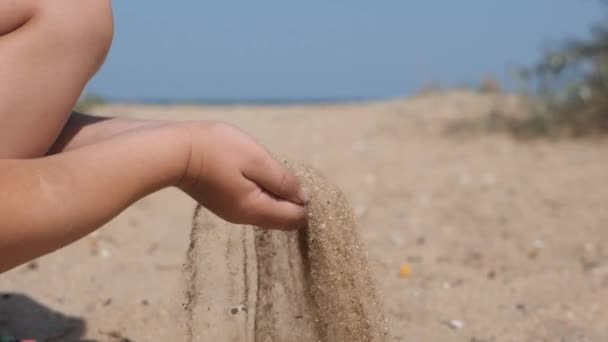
(84,129)
(49,202)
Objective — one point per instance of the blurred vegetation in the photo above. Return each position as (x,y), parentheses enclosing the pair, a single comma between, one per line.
(565,94)
(88,101)
(489,85)
(570,89)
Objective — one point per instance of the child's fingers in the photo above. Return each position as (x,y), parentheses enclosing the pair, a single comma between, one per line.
(275,178)
(268,211)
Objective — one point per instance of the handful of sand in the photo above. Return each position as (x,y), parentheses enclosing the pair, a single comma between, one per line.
(253,285)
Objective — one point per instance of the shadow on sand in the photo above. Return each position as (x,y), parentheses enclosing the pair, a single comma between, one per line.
(24,318)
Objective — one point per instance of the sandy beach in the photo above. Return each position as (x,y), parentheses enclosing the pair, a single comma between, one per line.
(502,239)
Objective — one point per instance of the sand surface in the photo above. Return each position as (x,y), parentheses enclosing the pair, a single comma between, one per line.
(506,240)
(248,284)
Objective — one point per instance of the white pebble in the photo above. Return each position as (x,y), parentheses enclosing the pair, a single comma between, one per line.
(538,244)
(456,324)
(104,253)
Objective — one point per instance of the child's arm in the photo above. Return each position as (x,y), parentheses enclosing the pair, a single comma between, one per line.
(49,202)
(83,129)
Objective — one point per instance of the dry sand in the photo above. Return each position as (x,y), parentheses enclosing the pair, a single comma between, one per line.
(249,284)
(506,240)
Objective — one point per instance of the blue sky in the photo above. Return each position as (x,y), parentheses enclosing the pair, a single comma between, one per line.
(285,49)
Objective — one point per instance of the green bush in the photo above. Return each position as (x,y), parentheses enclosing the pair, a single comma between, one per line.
(571,89)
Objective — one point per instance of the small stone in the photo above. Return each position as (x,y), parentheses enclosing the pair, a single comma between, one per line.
(456,324)
(533,253)
(538,244)
(405,271)
(235,310)
(421,240)
(104,253)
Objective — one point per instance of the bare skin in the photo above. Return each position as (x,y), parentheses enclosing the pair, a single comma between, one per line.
(65,174)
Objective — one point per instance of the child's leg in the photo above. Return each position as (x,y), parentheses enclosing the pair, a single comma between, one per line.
(49,49)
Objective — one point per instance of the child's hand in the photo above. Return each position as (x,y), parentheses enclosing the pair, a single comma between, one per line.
(237,179)
(93,179)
